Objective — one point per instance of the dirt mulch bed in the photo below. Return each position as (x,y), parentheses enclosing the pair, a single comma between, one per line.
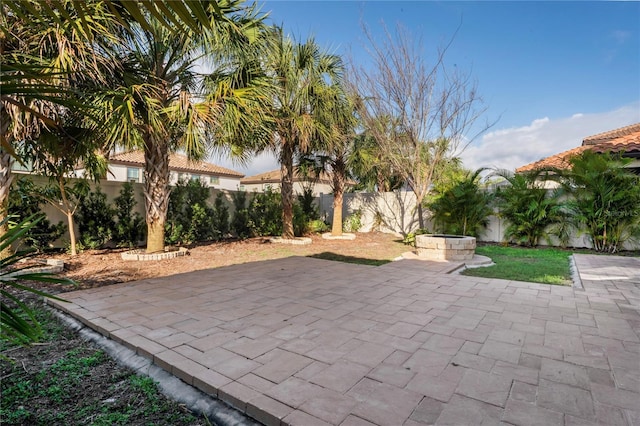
(96,268)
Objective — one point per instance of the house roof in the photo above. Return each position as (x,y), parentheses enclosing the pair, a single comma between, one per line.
(177,162)
(624,140)
(275,176)
(612,134)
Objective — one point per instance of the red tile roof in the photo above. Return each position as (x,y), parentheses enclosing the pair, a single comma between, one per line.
(612,134)
(275,176)
(623,140)
(177,162)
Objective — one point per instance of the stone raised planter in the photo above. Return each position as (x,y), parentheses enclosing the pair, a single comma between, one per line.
(141,255)
(445,247)
(298,241)
(49,266)
(344,236)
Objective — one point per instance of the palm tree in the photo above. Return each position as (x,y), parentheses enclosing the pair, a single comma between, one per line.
(603,197)
(46,44)
(302,75)
(369,167)
(48,64)
(161,104)
(531,210)
(335,150)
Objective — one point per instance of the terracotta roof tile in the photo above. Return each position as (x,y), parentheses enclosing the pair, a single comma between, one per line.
(177,162)
(612,134)
(559,161)
(275,176)
(627,143)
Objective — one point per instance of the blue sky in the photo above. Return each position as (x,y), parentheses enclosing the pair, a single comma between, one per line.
(551,73)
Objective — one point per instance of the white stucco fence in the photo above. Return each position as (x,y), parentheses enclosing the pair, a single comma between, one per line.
(392,212)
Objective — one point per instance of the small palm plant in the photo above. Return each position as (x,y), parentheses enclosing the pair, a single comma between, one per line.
(17,321)
(532,211)
(463,209)
(603,197)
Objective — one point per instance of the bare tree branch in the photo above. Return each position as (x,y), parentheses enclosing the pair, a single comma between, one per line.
(419,113)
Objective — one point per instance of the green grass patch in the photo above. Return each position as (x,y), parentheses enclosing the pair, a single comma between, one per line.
(537,265)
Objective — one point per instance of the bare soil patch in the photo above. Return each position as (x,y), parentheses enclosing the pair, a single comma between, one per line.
(96,268)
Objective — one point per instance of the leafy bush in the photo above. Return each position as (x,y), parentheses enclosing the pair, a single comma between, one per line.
(531,210)
(265,214)
(410,238)
(130,227)
(23,203)
(240,223)
(18,323)
(308,204)
(463,208)
(300,221)
(318,226)
(353,222)
(603,198)
(188,216)
(220,218)
(95,219)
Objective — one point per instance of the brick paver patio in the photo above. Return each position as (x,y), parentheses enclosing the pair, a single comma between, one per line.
(303,341)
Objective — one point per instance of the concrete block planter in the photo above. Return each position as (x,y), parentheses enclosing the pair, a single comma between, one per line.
(298,241)
(50,266)
(445,247)
(141,255)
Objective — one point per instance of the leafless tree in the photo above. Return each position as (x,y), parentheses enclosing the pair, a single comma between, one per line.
(419,113)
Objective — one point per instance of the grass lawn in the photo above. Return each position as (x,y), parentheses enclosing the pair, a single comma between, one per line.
(538,265)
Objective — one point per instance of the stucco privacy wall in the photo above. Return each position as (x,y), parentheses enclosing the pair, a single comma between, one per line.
(112,190)
(393,212)
(379,213)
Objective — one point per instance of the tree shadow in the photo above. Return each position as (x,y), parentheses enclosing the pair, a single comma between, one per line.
(327,255)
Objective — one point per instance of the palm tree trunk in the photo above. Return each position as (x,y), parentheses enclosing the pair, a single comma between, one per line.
(156,192)
(286,188)
(339,178)
(6,178)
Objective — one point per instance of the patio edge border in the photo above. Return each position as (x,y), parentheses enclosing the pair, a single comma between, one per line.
(171,386)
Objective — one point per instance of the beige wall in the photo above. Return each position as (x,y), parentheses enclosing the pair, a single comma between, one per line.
(393,212)
(112,190)
(396,212)
(118,173)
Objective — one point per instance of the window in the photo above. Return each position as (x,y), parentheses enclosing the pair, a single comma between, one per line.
(214,180)
(133,174)
(195,177)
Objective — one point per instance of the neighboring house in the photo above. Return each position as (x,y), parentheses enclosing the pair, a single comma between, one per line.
(625,141)
(259,183)
(129,166)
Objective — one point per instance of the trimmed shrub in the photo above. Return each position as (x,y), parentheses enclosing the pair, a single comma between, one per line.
(23,203)
(189,215)
(95,220)
(265,214)
(130,227)
(240,222)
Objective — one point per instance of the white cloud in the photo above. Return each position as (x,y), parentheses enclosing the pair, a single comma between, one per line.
(514,147)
